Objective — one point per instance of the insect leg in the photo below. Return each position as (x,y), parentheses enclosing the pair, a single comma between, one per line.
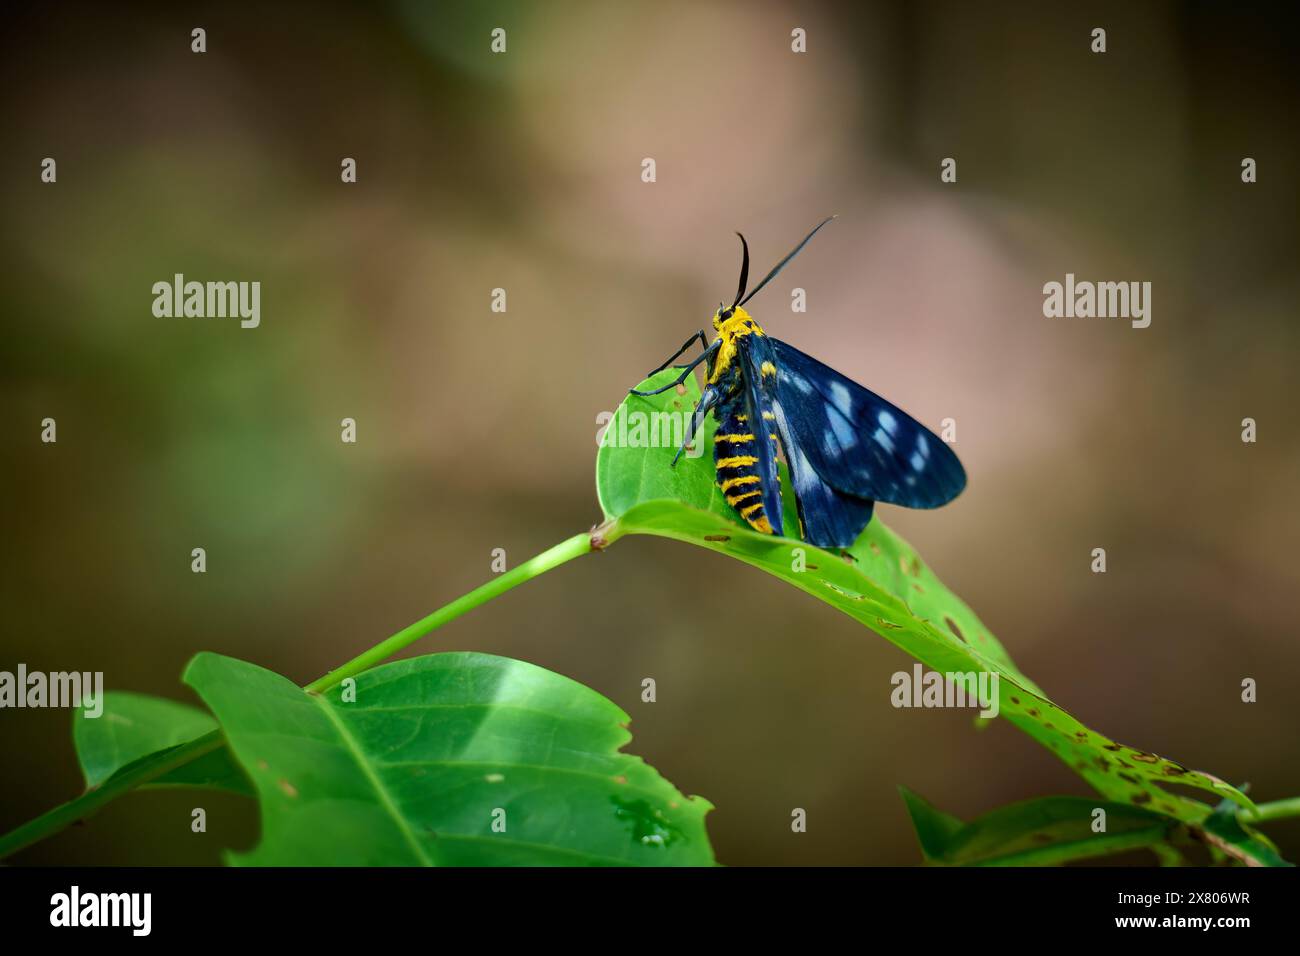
(704,343)
(686,370)
(708,398)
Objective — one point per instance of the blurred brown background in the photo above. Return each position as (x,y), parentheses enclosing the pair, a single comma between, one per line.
(477,430)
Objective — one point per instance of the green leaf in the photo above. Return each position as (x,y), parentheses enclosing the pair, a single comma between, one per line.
(880,582)
(1224,830)
(934,828)
(1043,832)
(135,726)
(435,751)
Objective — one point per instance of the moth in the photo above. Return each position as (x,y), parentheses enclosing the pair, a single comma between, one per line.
(845,447)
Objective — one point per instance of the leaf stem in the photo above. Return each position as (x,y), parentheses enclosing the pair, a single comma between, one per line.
(128,778)
(574,547)
(1277,810)
(155,765)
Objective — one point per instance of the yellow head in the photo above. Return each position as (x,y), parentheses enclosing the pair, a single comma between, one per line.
(731,324)
(735,321)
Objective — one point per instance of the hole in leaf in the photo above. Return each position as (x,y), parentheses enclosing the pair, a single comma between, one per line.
(845,591)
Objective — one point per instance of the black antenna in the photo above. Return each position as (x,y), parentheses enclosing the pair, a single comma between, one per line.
(782,264)
(744,269)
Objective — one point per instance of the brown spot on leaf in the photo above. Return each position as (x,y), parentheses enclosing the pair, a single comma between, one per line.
(717,537)
(952,626)
(289,789)
(620,779)
(681,389)
(1129,778)
(1141,798)
(1141,757)
(875,548)
(1032,712)
(1016,701)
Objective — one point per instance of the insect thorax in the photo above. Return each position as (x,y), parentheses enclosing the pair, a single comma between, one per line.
(736,326)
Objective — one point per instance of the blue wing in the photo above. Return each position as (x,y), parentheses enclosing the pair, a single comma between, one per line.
(828,518)
(758,402)
(858,443)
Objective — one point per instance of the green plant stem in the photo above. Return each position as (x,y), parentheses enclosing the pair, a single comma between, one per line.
(574,547)
(128,778)
(1277,810)
(155,765)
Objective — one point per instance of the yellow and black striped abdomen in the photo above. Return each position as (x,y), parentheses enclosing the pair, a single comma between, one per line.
(734,455)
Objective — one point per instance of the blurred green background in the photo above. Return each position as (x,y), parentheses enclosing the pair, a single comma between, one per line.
(477,430)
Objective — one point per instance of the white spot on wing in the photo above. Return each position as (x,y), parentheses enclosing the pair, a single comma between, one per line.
(843,431)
